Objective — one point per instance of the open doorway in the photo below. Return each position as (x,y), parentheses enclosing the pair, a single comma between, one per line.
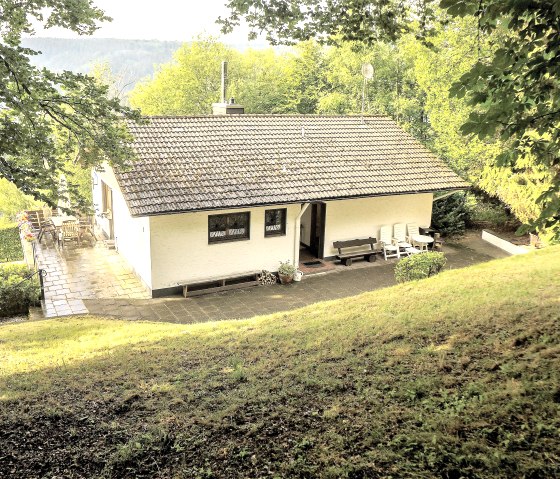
(312,237)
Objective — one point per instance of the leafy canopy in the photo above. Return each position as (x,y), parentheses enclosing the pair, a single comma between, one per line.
(514,89)
(50,120)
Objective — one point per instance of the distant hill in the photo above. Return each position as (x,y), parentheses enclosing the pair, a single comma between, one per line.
(131,60)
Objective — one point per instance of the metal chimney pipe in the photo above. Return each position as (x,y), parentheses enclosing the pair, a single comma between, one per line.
(224,81)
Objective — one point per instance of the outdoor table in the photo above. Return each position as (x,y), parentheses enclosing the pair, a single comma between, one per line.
(422,239)
(58,220)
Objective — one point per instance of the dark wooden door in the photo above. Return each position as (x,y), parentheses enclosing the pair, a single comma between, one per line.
(317,240)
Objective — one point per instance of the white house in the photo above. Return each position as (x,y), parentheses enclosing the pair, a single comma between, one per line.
(217,196)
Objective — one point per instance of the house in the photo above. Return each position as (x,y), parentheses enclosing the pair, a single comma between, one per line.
(221,195)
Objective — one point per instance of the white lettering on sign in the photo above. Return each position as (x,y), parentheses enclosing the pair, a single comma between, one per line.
(217,234)
(273,228)
(236,231)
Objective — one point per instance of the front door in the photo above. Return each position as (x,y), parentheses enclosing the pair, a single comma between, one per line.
(317,240)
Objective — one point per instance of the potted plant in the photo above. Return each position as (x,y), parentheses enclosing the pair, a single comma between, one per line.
(286,272)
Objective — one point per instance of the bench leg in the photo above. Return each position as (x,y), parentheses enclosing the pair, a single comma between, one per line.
(371,258)
(347,262)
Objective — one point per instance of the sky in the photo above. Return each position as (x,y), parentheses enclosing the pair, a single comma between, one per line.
(161,20)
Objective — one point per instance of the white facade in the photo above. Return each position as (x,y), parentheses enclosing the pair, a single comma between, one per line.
(181,252)
(166,251)
(363,217)
(131,235)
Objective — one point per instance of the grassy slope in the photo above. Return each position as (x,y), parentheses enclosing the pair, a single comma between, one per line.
(455,376)
(10,244)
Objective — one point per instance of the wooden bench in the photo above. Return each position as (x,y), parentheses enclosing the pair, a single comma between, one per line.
(223,283)
(346,258)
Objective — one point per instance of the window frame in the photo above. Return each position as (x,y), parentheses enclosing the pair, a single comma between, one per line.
(282,230)
(228,238)
(106,197)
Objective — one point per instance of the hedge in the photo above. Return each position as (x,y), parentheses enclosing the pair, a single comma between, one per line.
(16,293)
(419,266)
(10,244)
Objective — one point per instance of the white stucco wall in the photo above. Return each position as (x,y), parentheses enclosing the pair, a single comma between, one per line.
(361,218)
(132,235)
(181,253)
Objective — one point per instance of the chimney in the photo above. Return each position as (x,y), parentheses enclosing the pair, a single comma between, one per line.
(225,107)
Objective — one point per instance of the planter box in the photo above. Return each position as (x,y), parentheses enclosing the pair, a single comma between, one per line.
(494,239)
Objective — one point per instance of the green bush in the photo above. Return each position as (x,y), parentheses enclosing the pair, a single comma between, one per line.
(450,215)
(488,212)
(17,294)
(10,244)
(419,266)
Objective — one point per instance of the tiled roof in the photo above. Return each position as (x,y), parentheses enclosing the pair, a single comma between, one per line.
(218,162)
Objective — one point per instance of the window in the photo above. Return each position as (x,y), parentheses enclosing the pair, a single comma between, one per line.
(275,222)
(234,226)
(106,198)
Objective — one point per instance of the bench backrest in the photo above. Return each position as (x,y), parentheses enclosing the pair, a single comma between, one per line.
(353,243)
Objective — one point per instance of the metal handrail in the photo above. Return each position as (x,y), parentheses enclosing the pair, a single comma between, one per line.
(41,274)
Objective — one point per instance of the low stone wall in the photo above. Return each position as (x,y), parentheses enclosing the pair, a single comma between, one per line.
(503,244)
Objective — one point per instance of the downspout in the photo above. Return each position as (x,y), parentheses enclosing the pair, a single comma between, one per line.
(297,234)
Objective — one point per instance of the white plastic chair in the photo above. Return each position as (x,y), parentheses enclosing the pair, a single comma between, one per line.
(399,237)
(390,248)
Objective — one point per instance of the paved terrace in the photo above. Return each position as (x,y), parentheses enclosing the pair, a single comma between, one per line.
(95,280)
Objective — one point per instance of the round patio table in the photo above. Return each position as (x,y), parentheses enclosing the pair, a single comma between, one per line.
(424,240)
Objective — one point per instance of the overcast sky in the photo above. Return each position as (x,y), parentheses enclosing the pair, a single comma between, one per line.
(159,19)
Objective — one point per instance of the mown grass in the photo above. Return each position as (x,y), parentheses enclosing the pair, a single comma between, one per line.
(454,376)
(10,244)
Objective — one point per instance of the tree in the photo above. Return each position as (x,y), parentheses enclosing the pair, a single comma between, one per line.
(514,89)
(263,81)
(367,21)
(189,84)
(516,92)
(48,119)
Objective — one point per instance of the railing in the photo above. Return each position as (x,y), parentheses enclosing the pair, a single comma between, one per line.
(41,273)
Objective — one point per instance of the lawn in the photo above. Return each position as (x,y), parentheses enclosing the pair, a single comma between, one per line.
(457,376)
(10,244)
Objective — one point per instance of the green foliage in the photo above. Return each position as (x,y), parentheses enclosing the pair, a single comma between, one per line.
(188,85)
(286,268)
(16,292)
(49,119)
(13,201)
(515,93)
(368,21)
(488,212)
(450,215)
(499,59)
(465,368)
(419,266)
(262,81)
(10,244)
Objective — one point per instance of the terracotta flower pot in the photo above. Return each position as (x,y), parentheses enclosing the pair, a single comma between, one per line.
(286,278)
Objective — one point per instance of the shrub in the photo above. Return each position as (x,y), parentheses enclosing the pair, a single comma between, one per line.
(419,266)
(10,244)
(16,293)
(286,268)
(450,215)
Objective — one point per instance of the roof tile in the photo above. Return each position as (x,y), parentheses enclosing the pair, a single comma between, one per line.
(209,162)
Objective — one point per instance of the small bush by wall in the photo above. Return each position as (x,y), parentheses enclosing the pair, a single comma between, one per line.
(16,295)
(10,244)
(419,266)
